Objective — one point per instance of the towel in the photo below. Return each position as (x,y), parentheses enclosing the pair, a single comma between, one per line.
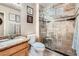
(75,44)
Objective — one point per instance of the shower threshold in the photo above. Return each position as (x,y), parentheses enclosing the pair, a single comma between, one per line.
(58,52)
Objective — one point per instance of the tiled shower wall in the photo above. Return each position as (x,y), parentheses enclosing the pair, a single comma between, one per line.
(42,28)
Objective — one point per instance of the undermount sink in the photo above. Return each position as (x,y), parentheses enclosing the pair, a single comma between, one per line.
(20,37)
(2,40)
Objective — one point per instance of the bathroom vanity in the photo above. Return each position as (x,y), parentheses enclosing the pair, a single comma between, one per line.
(10,25)
(15,47)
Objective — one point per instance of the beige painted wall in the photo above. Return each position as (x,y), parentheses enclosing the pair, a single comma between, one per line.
(28,28)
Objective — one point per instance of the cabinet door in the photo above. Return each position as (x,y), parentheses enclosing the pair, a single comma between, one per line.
(12,50)
(21,53)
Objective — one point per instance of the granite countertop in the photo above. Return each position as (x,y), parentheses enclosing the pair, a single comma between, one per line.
(12,42)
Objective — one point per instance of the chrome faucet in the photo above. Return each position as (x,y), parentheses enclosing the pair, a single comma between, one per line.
(11,37)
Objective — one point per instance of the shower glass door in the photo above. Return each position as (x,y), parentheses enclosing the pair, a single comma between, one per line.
(59,36)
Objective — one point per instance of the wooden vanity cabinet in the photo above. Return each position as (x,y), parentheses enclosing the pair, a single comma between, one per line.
(21,53)
(21,49)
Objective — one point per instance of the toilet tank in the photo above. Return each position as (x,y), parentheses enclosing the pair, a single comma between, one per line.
(32,38)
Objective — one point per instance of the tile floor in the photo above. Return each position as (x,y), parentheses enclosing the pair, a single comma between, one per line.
(48,52)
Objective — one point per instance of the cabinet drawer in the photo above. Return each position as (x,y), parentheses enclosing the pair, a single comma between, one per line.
(14,49)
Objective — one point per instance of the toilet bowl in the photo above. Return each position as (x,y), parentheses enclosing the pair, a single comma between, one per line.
(37,48)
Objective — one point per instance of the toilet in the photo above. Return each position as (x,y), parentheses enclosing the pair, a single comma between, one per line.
(37,48)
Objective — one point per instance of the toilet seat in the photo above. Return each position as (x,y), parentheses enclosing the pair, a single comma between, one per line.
(37,48)
(38,45)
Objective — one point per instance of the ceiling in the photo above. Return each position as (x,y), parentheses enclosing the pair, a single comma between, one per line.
(57,5)
(44,5)
(16,6)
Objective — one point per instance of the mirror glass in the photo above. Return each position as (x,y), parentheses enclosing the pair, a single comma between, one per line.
(10,20)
